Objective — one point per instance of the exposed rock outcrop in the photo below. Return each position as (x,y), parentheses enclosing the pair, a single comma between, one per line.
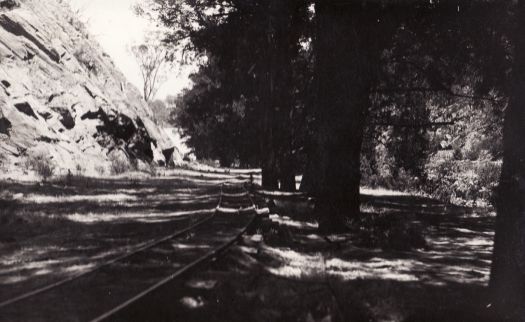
(9,4)
(62,96)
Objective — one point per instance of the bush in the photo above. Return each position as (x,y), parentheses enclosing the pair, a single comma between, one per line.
(3,161)
(384,175)
(463,182)
(134,164)
(153,169)
(100,170)
(80,170)
(489,174)
(210,163)
(41,164)
(84,56)
(118,165)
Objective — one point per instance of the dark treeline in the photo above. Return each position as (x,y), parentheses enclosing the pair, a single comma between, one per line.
(305,86)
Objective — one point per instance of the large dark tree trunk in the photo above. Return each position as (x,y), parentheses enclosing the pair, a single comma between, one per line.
(282,43)
(345,61)
(508,267)
(290,17)
(270,174)
(309,175)
(286,172)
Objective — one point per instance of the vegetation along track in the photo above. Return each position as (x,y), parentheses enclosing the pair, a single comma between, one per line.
(114,285)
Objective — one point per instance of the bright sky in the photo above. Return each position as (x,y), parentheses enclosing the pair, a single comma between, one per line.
(115,26)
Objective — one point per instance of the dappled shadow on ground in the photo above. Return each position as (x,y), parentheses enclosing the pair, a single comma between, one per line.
(92,295)
(456,247)
(50,231)
(286,271)
(282,271)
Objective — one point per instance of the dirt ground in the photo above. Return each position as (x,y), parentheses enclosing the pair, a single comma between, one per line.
(54,230)
(285,271)
(411,259)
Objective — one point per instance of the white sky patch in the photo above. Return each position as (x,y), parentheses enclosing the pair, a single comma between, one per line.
(116,28)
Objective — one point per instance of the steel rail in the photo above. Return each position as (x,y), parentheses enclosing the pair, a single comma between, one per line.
(211,254)
(112,261)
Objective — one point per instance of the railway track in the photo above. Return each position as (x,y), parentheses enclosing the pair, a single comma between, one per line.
(112,286)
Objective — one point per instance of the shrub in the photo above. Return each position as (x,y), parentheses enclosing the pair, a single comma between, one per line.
(134,164)
(41,164)
(384,175)
(153,169)
(210,163)
(85,57)
(100,170)
(80,170)
(463,182)
(489,175)
(3,161)
(118,165)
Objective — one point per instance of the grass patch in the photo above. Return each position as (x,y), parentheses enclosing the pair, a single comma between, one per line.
(18,223)
(41,164)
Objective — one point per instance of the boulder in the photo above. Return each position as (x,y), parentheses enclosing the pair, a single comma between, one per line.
(5,126)
(9,4)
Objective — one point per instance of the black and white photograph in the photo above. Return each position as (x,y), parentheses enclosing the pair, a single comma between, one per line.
(262,160)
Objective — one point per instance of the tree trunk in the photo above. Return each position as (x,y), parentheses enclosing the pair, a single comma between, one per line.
(282,42)
(508,265)
(270,179)
(286,40)
(309,175)
(345,59)
(270,176)
(287,173)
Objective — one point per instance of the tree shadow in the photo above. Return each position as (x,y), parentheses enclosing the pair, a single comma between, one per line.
(53,230)
(443,280)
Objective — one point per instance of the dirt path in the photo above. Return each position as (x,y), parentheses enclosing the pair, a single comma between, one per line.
(59,231)
(285,271)
(412,258)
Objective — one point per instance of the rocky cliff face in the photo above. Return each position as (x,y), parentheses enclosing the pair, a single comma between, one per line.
(62,97)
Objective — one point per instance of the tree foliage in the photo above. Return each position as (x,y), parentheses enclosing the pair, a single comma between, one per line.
(399,83)
(419,76)
(161,112)
(152,58)
(250,80)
